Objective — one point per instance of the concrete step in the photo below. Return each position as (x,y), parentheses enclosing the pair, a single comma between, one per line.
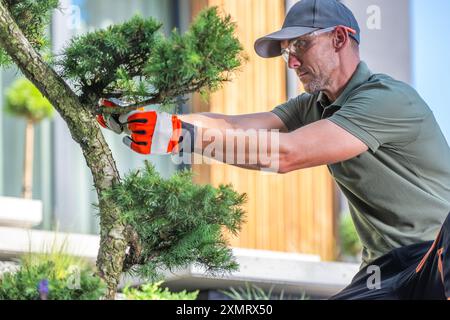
(20,213)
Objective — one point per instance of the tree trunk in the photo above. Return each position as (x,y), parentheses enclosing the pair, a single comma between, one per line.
(28,161)
(85,132)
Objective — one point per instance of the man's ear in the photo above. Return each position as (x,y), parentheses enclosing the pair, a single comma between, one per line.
(340,38)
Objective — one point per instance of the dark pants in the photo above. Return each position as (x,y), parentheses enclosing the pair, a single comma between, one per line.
(418,271)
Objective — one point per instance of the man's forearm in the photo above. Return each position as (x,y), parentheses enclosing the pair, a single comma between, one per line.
(249,141)
(208,120)
(250,149)
(261,120)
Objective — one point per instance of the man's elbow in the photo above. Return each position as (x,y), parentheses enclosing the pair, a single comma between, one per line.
(290,161)
(284,169)
(287,157)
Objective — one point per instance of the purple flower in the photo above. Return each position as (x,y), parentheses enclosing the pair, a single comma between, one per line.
(43,289)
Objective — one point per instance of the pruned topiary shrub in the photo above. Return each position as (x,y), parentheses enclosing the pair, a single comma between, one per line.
(132,61)
(177,222)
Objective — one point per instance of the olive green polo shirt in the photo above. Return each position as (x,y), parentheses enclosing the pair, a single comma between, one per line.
(399,190)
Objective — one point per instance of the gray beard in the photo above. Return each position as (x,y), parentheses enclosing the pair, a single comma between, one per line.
(313,87)
(316,85)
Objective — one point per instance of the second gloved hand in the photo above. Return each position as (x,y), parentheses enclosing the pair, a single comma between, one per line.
(153,132)
(150,132)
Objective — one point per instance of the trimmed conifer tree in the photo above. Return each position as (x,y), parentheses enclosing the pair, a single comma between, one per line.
(146,223)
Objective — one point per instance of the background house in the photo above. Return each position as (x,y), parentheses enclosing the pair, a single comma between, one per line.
(295,214)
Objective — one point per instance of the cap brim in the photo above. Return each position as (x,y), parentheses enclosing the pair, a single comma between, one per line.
(269,46)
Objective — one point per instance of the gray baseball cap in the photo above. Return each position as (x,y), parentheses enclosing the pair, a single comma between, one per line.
(304,17)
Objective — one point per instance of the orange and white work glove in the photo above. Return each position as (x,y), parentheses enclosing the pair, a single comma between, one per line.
(150,132)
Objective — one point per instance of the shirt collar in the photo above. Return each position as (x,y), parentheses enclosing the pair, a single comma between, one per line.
(361,75)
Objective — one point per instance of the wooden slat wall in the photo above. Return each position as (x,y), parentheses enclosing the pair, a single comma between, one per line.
(290,213)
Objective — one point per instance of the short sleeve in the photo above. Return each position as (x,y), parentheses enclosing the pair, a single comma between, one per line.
(289,113)
(381,116)
(298,112)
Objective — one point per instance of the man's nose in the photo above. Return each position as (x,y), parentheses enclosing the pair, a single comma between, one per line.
(294,63)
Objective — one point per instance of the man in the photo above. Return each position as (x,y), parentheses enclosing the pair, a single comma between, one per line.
(379,139)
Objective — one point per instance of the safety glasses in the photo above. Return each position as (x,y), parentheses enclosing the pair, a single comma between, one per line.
(299,46)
